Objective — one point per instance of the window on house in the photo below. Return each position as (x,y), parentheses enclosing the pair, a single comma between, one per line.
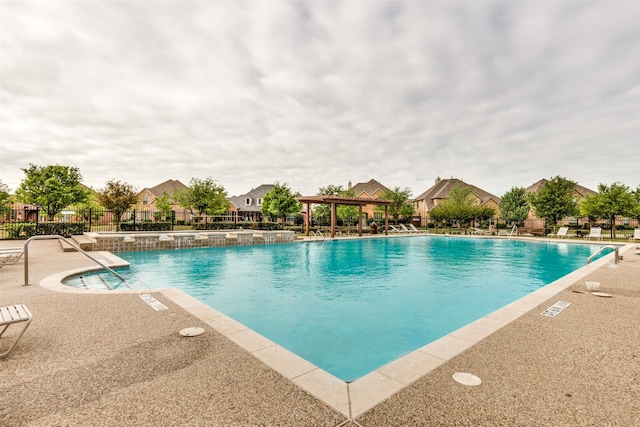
(259,202)
(145,200)
(247,201)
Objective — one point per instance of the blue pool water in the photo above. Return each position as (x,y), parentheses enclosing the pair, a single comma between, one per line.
(352,306)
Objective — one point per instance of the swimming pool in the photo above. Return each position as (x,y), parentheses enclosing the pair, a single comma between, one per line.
(351,306)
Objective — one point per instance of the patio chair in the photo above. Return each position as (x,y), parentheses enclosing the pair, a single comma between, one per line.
(594,233)
(10,255)
(392,229)
(10,315)
(414,229)
(636,235)
(562,232)
(479,231)
(404,229)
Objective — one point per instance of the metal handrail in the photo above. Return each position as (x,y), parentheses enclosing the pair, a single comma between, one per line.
(317,234)
(514,228)
(616,256)
(78,248)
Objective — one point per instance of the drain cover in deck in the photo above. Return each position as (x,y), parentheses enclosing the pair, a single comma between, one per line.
(191,332)
(466,378)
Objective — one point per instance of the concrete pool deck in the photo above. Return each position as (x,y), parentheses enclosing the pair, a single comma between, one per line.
(111,359)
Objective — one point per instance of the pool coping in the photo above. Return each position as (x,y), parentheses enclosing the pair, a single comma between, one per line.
(355,398)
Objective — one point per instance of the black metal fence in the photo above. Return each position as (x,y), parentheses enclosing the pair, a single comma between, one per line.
(22,223)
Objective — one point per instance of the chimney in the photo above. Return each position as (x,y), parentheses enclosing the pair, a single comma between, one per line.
(349,185)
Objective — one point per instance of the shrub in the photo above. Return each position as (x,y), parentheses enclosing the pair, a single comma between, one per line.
(25,230)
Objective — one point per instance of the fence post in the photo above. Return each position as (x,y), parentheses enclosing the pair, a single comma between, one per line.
(173,219)
(134,219)
(90,219)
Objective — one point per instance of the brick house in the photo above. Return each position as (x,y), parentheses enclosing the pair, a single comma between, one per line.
(439,192)
(369,190)
(247,207)
(146,203)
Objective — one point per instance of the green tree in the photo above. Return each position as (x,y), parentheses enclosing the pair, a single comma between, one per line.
(440,215)
(347,212)
(322,213)
(280,202)
(610,201)
(555,200)
(460,204)
(514,206)
(51,188)
(5,199)
(90,209)
(205,195)
(635,212)
(163,203)
(484,213)
(118,197)
(400,206)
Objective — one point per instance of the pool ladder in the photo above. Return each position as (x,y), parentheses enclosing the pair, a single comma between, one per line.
(317,235)
(514,228)
(616,257)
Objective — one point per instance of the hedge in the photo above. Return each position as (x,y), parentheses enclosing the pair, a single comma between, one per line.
(25,230)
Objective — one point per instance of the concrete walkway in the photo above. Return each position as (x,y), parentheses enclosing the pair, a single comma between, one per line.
(111,359)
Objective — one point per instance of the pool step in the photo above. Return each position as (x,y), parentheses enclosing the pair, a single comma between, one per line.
(85,243)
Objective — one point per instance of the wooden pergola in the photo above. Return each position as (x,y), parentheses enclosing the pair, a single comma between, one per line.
(334,201)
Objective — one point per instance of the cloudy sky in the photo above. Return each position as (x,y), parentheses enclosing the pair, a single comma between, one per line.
(499,94)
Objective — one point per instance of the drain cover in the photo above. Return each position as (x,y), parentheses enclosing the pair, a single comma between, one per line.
(191,332)
(466,378)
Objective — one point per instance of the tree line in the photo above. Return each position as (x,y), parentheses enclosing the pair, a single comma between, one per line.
(54,187)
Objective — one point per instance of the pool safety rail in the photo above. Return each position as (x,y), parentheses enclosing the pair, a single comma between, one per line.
(616,257)
(317,235)
(70,243)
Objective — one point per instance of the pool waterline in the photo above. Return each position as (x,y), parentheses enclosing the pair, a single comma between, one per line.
(354,399)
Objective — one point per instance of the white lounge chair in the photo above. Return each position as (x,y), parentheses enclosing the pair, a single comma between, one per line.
(636,235)
(392,229)
(10,255)
(404,229)
(414,229)
(594,233)
(479,231)
(10,315)
(562,232)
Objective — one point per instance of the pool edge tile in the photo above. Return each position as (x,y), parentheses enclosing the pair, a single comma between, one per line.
(250,340)
(324,386)
(411,367)
(368,391)
(287,363)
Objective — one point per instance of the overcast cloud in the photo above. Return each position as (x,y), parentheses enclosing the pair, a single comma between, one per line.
(499,94)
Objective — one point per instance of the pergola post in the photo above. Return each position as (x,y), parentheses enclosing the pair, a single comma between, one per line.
(307,219)
(360,220)
(333,219)
(386,220)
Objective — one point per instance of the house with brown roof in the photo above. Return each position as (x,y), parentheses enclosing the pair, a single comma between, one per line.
(248,206)
(369,190)
(579,193)
(439,192)
(147,197)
